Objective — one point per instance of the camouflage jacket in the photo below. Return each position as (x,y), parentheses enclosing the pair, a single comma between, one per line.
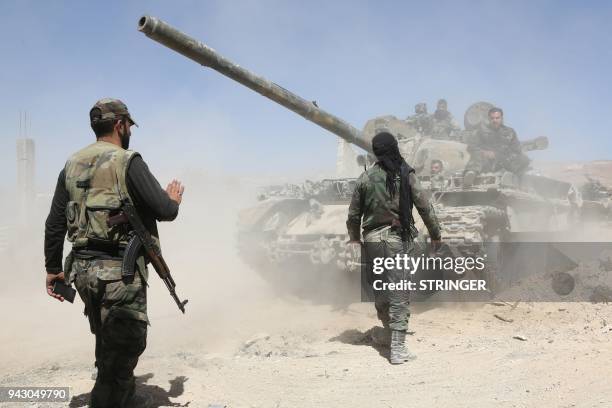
(504,143)
(500,141)
(438,182)
(422,122)
(372,202)
(444,128)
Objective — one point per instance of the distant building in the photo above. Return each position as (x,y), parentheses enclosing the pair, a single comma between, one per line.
(25,179)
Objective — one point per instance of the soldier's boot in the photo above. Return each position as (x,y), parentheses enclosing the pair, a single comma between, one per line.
(125,384)
(382,337)
(468,179)
(399,353)
(102,392)
(140,400)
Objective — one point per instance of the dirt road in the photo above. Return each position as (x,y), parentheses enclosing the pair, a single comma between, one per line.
(289,353)
(241,344)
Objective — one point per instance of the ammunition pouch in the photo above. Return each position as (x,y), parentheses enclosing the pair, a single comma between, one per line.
(68,275)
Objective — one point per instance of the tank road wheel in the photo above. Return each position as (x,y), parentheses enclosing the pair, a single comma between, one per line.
(252,249)
(254,245)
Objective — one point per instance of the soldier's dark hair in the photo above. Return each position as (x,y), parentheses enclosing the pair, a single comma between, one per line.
(103,128)
(496,109)
(100,127)
(436,161)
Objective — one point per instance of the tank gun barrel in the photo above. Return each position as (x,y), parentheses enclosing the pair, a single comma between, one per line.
(199,52)
(538,143)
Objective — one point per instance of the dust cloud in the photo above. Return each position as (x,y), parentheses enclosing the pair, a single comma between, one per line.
(268,339)
(228,299)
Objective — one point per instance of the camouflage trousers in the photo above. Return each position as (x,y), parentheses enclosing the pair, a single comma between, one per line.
(117,313)
(480,164)
(392,306)
(515,163)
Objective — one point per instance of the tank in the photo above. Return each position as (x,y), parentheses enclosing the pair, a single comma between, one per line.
(596,198)
(304,224)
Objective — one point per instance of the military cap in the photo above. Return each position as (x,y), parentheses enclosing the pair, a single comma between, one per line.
(109,109)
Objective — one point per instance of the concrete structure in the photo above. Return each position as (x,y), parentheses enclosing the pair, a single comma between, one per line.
(25,179)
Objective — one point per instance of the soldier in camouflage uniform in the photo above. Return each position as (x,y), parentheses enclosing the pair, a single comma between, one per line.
(436,175)
(421,120)
(89,190)
(494,147)
(443,125)
(382,205)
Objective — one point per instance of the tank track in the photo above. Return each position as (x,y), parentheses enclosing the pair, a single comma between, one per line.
(469,225)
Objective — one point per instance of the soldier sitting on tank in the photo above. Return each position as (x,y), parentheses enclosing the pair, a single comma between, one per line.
(443,125)
(494,147)
(436,175)
(421,120)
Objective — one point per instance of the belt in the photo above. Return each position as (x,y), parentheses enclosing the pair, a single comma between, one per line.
(99,250)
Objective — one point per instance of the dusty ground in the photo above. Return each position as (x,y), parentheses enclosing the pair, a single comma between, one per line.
(289,353)
(576,172)
(242,344)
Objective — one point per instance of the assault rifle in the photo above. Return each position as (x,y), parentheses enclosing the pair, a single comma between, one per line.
(140,238)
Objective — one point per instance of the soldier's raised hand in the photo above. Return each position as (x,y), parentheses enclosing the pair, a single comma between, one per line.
(175,191)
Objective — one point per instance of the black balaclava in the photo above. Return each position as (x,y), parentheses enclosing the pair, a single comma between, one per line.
(391,161)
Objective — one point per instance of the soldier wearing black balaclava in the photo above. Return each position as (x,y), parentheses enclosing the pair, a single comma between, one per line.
(382,205)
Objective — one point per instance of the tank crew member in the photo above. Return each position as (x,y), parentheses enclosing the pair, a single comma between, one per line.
(382,205)
(444,126)
(494,147)
(436,174)
(421,120)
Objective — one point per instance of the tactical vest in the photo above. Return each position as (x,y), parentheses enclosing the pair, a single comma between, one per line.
(96,184)
(383,212)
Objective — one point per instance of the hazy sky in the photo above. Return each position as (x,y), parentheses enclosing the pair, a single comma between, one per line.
(546,63)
